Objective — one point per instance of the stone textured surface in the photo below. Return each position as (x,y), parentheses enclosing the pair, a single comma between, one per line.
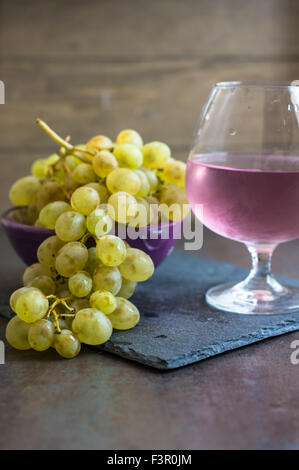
(177,327)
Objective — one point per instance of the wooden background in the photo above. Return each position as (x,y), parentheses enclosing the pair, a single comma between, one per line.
(101,65)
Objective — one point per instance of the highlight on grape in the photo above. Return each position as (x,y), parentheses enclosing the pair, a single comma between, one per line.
(76,293)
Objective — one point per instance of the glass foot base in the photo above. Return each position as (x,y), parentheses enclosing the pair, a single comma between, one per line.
(265,299)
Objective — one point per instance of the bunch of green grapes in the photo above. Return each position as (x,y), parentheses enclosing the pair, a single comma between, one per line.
(75,293)
(141,183)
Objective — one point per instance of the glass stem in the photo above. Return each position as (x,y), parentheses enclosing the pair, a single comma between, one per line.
(260,276)
(261,256)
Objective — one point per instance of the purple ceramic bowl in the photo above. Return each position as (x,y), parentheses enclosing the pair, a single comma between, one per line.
(26,238)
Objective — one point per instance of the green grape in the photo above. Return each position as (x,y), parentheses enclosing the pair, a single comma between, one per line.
(69,184)
(98,222)
(155,154)
(138,266)
(85,200)
(63,324)
(24,191)
(59,175)
(154,205)
(66,344)
(69,322)
(143,214)
(174,172)
(107,278)
(111,250)
(101,189)
(17,333)
(127,288)
(37,223)
(104,301)
(40,168)
(59,172)
(71,161)
(33,271)
(41,335)
(98,143)
(50,213)
(32,213)
(93,261)
(152,179)
(53,159)
(145,185)
(123,179)
(62,288)
(49,191)
(125,316)
(128,155)
(129,136)
(47,251)
(122,207)
(16,294)
(44,284)
(70,226)
(71,258)
(80,284)
(84,174)
(174,204)
(152,200)
(32,306)
(92,326)
(103,163)
(77,304)
(82,154)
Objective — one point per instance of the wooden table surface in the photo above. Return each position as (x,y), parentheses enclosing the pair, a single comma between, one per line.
(244,399)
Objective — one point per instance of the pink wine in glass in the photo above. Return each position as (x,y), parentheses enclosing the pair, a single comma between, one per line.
(249,198)
(243,169)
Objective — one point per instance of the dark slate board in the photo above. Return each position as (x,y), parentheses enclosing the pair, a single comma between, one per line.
(177,327)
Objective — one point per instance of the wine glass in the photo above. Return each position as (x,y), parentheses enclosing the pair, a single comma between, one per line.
(244,170)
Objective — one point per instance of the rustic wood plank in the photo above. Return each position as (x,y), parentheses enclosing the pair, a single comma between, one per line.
(163,100)
(139,28)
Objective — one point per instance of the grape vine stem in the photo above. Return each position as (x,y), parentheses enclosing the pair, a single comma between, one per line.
(64,143)
(57,301)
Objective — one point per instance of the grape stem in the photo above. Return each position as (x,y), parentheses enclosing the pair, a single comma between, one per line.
(78,149)
(63,302)
(84,160)
(59,140)
(64,142)
(66,169)
(56,315)
(51,296)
